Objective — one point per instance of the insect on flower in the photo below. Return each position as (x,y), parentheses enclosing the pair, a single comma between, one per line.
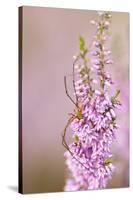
(93,121)
(77,114)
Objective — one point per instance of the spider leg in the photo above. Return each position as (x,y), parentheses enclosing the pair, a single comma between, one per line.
(74,80)
(64,133)
(65,83)
(64,143)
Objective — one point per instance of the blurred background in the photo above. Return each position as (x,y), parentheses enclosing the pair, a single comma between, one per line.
(50,39)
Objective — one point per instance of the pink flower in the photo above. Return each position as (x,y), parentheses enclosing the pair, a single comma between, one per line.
(94,123)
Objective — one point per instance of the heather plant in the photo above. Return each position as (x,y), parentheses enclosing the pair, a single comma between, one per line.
(93,123)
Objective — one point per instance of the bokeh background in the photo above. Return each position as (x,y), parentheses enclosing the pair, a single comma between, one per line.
(50,39)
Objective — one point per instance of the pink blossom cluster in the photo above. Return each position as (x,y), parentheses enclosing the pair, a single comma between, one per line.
(94,125)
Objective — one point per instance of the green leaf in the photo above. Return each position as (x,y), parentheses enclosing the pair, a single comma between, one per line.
(113,99)
(79,114)
(76,138)
(83,50)
(81,43)
(107,161)
(117,93)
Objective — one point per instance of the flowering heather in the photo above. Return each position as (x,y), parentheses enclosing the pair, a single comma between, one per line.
(93,123)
